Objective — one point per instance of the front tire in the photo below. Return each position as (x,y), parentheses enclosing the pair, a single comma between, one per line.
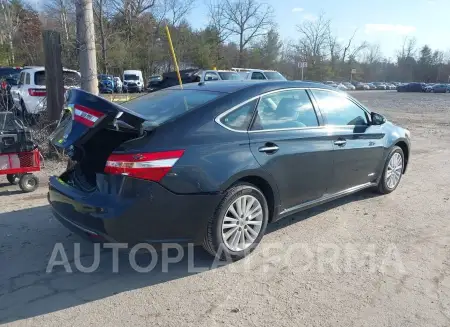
(28,183)
(238,224)
(392,171)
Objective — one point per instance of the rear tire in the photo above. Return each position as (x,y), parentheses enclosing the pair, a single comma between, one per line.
(232,233)
(392,171)
(28,183)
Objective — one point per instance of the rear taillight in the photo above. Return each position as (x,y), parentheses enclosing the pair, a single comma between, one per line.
(86,116)
(151,166)
(4,85)
(37,92)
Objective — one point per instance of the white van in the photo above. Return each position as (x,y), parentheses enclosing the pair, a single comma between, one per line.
(133,81)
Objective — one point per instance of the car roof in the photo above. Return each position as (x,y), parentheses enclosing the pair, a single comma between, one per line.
(42,68)
(263,86)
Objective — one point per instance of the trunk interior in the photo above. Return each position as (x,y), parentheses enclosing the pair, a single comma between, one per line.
(92,156)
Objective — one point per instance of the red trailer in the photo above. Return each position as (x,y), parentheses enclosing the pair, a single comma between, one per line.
(19,168)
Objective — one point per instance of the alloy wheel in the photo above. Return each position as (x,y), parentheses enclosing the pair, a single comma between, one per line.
(242,223)
(394,170)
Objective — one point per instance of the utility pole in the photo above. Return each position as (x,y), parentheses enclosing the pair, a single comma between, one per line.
(86,43)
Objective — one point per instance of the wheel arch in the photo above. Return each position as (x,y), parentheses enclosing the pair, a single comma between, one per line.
(405,148)
(267,186)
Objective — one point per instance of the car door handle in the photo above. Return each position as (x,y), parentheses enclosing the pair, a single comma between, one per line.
(269,148)
(340,142)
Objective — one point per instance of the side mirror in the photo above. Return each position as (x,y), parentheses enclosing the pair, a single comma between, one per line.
(197,79)
(377,119)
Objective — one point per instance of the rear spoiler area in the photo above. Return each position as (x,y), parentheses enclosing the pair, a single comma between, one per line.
(84,114)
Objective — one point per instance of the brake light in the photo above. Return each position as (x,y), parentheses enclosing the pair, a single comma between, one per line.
(4,85)
(86,116)
(37,92)
(151,166)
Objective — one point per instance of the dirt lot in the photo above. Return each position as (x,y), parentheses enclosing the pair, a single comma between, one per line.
(301,275)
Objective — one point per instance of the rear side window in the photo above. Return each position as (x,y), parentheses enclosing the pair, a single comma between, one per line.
(284,110)
(339,110)
(160,106)
(70,78)
(240,118)
(27,79)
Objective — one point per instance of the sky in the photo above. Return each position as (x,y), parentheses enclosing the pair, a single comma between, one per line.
(385,22)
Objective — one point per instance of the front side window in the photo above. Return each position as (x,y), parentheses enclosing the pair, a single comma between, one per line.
(240,118)
(285,109)
(257,75)
(339,110)
(211,76)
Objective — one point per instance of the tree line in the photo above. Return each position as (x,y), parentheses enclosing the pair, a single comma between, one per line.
(237,33)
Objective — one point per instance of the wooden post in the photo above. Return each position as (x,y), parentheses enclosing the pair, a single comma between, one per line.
(54,81)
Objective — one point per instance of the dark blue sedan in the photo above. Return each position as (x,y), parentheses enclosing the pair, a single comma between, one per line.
(214,163)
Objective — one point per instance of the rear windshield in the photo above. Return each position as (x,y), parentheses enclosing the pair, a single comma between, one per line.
(70,78)
(160,106)
(131,77)
(9,72)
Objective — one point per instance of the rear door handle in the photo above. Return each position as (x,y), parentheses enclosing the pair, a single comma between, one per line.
(340,142)
(269,148)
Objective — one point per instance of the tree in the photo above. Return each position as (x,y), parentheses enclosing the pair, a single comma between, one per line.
(11,11)
(248,20)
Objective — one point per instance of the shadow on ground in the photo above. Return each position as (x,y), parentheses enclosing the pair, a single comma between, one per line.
(28,238)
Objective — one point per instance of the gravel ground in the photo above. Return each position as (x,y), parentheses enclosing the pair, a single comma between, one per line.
(364,260)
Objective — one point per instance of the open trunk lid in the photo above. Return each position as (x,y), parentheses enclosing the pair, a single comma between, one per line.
(85,114)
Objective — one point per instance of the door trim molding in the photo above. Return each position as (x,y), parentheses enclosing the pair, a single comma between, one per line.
(324,199)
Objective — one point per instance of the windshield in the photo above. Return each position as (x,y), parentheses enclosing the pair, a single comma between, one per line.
(70,78)
(130,77)
(103,77)
(229,76)
(159,107)
(274,76)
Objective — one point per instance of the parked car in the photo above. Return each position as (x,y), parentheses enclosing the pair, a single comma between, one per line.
(9,76)
(380,86)
(349,86)
(171,79)
(391,86)
(371,86)
(214,163)
(440,88)
(362,86)
(412,87)
(29,95)
(341,87)
(106,83)
(133,81)
(330,83)
(217,75)
(259,74)
(118,85)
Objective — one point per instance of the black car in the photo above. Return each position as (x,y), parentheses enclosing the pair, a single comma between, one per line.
(412,87)
(214,163)
(9,76)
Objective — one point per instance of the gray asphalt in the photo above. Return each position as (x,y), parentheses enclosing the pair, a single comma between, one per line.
(364,260)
